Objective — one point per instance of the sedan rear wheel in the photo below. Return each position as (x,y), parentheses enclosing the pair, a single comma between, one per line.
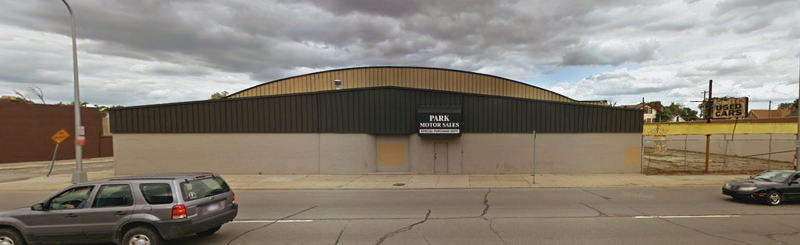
(774,198)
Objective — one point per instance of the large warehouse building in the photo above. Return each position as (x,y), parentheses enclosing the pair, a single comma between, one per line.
(380,120)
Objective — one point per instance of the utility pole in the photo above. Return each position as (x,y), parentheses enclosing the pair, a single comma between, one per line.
(769,109)
(708,120)
(79,176)
(797,140)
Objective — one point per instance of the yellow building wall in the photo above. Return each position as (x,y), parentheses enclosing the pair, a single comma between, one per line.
(719,128)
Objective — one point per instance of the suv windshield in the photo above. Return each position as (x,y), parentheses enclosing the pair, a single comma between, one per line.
(774,176)
(200,188)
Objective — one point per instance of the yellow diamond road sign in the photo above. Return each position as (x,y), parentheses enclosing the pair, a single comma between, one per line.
(60,136)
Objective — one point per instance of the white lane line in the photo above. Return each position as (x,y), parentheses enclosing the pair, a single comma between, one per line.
(275,221)
(686,216)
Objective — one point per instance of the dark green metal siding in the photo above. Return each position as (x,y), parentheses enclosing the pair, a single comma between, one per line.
(385,110)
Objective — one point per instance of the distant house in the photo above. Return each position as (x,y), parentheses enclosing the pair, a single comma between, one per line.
(650,110)
(764,114)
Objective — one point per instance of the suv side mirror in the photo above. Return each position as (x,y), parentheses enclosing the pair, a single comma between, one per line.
(38,207)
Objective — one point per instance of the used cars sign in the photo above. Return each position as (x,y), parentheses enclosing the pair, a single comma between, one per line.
(727,108)
(438,120)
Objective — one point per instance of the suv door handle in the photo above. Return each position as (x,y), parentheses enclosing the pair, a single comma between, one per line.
(120,213)
(71,215)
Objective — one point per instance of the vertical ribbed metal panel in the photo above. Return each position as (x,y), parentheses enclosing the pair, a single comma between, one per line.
(375,111)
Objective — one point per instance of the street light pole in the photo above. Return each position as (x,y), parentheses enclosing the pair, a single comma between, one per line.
(797,140)
(79,175)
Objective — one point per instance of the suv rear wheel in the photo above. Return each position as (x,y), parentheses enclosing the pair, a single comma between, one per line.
(141,235)
(10,237)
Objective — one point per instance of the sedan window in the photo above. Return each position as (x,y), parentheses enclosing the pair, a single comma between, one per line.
(74,198)
(774,176)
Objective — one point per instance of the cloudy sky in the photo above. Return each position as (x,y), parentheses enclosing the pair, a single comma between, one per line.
(145,51)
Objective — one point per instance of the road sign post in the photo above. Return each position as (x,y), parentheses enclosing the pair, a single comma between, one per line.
(58,137)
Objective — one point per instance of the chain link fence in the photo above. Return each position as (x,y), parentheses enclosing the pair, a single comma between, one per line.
(678,154)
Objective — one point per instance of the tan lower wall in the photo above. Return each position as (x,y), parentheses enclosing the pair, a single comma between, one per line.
(356,153)
(588,153)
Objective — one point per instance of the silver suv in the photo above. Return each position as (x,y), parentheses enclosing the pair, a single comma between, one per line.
(136,210)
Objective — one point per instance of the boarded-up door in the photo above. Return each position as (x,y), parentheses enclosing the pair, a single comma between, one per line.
(392,153)
(440,158)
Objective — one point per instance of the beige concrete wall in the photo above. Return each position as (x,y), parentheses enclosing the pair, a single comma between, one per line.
(588,153)
(347,153)
(497,153)
(356,153)
(512,153)
(243,153)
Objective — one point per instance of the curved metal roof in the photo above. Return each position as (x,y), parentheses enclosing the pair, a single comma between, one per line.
(404,76)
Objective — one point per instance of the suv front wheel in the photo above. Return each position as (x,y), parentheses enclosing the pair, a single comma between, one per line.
(141,236)
(10,237)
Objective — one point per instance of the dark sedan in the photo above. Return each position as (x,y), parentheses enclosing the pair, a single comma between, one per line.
(772,187)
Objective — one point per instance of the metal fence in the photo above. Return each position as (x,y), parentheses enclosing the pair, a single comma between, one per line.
(727,153)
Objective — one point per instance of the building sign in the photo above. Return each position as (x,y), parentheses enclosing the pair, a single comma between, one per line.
(439,120)
(727,108)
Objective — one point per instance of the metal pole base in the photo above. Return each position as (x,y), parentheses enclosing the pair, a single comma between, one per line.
(79,177)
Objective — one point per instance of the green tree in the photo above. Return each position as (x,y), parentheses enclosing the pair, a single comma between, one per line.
(676,109)
(219,95)
(688,114)
(83,103)
(788,105)
(104,109)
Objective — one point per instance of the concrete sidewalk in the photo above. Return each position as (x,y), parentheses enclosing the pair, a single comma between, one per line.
(25,170)
(290,182)
(469,181)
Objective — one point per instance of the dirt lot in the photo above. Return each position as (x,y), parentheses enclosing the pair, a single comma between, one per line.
(688,162)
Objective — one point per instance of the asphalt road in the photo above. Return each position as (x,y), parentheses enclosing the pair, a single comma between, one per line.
(698,215)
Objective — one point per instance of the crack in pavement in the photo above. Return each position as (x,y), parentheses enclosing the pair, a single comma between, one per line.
(491,227)
(404,229)
(486,210)
(340,234)
(599,213)
(703,232)
(423,237)
(596,194)
(485,203)
(772,236)
(268,224)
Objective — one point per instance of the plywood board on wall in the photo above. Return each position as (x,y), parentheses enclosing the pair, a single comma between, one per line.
(391,154)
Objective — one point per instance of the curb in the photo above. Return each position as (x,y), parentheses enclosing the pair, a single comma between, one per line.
(40,165)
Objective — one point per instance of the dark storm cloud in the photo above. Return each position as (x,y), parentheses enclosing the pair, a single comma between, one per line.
(263,39)
(610,54)
(206,44)
(391,8)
